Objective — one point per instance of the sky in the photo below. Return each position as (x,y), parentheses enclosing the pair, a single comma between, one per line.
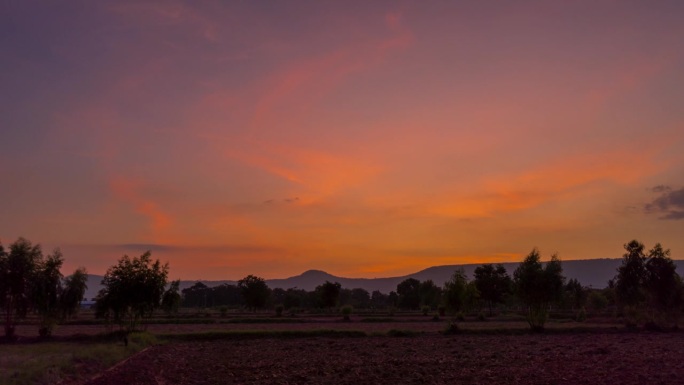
(366,139)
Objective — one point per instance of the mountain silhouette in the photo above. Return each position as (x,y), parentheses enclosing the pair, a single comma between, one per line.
(589,272)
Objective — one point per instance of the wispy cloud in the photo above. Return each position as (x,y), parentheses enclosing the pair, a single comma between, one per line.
(669,205)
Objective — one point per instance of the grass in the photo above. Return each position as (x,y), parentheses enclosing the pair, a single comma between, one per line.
(254,334)
(53,362)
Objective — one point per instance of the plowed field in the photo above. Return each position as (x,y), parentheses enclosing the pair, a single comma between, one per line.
(592,358)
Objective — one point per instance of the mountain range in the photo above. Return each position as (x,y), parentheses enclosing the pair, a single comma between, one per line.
(589,272)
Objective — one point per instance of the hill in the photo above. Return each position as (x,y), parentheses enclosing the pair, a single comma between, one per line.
(589,272)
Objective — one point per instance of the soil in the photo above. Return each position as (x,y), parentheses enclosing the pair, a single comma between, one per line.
(596,358)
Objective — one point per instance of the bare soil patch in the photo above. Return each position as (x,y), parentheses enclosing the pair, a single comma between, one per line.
(597,358)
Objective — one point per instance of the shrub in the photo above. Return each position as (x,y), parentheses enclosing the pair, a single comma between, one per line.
(452,328)
(460,317)
(442,310)
(223,310)
(346,311)
(481,317)
(425,310)
(581,315)
(279,310)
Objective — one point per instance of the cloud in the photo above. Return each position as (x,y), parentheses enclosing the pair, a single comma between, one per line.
(670,204)
(128,190)
(661,188)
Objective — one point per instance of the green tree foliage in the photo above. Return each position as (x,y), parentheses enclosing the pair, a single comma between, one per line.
(538,287)
(18,267)
(492,282)
(456,292)
(171,299)
(254,291)
(408,291)
(132,290)
(328,294)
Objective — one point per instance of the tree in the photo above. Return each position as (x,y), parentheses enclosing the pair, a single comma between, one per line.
(409,293)
(254,291)
(493,283)
(455,291)
(17,269)
(132,290)
(379,300)
(360,298)
(538,286)
(661,279)
(196,295)
(72,293)
(430,294)
(171,299)
(47,289)
(575,294)
(328,294)
(631,277)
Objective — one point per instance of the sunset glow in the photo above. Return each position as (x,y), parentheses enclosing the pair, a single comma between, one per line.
(366,139)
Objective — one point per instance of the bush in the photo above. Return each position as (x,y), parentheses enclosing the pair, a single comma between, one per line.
(460,317)
(581,315)
(481,317)
(452,328)
(279,310)
(346,311)
(223,310)
(442,310)
(425,310)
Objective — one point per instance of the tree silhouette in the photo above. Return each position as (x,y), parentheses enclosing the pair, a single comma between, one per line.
(132,290)
(47,288)
(409,293)
(171,299)
(72,294)
(493,283)
(17,269)
(631,277)
(538,286)
(456,291)
(254,291)
(328,294)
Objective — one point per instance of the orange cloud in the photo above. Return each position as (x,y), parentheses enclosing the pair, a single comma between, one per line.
(128,190)
(310,79)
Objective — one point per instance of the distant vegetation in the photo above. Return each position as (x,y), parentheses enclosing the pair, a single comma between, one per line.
(33,283)
(646,291)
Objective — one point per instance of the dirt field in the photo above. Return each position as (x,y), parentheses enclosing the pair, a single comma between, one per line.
(611,358)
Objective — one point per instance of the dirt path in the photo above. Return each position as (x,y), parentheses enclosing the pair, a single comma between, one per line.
(430,359)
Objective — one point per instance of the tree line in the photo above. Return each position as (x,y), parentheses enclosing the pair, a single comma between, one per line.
(32,283)
(646,290)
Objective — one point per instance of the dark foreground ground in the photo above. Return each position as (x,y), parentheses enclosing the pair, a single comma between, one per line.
(611,358)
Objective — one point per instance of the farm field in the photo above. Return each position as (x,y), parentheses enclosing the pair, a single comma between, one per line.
(310,348)
(420,324)
(610,358)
